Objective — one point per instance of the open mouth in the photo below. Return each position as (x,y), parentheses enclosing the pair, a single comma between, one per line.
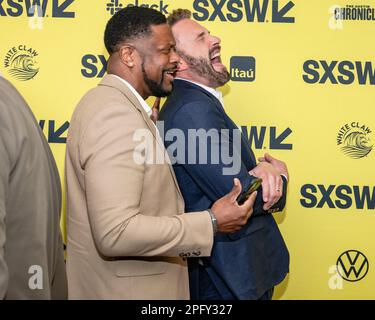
(215,57)
(170,74)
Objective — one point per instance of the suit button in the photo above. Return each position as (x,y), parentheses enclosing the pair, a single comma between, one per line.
(184,255)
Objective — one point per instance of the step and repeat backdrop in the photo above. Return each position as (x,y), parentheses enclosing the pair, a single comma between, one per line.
(302,88)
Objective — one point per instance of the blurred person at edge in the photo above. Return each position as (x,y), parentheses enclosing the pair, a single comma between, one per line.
(31,249)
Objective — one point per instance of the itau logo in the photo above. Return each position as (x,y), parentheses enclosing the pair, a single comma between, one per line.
(21,63)
(242,68)
(354,140)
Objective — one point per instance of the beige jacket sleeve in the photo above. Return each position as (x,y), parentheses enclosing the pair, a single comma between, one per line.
(114,187)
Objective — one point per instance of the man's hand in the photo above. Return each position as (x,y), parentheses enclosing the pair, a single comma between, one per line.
(230,216)
(278,164)
(155,110)
(272,184)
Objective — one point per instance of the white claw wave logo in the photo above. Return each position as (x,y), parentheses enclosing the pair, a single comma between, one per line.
(354,140)
(20,61)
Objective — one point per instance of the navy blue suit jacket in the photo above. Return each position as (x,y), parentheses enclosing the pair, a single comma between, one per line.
(244,264)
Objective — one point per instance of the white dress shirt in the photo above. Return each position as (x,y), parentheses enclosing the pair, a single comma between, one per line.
(143,103)
(213,91)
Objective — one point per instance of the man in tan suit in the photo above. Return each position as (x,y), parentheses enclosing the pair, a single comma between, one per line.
(128,235)
(31,250)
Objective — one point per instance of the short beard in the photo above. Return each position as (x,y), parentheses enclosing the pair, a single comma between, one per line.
(155,88)
(205,70)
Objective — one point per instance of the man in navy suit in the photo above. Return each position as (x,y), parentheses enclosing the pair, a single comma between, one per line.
(246,264)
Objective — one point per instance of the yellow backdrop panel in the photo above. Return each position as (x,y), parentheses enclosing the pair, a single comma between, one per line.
(302,89)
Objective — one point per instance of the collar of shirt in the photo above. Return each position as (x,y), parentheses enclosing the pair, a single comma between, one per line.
(213,91)
(143,103)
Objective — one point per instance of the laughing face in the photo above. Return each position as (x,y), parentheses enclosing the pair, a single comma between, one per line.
(158,61)
(201,52)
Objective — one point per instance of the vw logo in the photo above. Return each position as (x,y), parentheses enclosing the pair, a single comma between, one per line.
(352,265)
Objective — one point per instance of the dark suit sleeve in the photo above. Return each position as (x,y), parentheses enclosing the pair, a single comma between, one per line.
(214,176)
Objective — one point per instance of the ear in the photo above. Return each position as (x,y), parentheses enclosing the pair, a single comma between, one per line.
(127,55)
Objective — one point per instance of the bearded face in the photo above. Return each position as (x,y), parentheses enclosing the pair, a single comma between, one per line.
(210,68)
(201,52)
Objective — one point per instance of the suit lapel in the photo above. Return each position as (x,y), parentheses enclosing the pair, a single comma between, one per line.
(112,81)
(247,154)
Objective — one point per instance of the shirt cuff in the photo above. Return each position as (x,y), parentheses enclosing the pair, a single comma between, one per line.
(286,178)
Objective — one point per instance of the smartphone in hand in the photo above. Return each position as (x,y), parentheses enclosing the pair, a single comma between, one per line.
(254,185)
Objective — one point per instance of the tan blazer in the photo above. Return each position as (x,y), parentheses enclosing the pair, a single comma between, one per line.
(127,231)
(31,249)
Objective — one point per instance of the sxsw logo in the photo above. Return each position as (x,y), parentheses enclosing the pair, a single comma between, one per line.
(337,196)
(115,5)
(249,10)
(94,66)
(256,137)
(30,8)
(339,72)
(242,69)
